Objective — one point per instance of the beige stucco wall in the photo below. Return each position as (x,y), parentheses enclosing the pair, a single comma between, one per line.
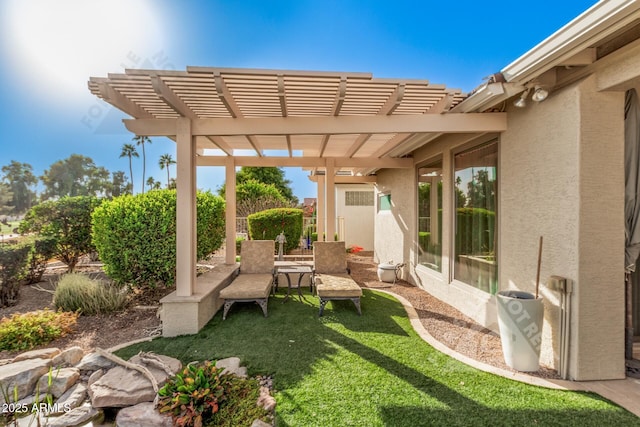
(358,220)
(561,177)
(395,228)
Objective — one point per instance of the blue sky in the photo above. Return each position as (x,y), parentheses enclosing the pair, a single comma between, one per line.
(49,49)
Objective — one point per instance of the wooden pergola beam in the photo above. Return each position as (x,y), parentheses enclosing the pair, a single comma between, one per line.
(425,123)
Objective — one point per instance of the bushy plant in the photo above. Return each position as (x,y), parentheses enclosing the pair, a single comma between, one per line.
(68,222)
(42,250)
(267,224)
(201,396)
(13,263)
(193,395)
(25,331)
(135,236)
(80,293)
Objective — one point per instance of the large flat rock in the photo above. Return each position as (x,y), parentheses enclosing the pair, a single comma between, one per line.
(22,376)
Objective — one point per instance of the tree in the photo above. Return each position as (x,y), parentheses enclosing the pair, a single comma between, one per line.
(75,176)
(165,161)
(141,140)
(68,221)
(128,150)
(20,178)
(254,196)
(119,184)
(153,184)
(6,198)
(268,175)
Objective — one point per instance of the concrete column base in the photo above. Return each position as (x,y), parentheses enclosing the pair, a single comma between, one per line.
(187,315)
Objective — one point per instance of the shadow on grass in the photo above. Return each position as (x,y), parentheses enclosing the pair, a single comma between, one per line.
(345,369)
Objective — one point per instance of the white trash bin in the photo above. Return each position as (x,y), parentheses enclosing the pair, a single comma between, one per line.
(520,317)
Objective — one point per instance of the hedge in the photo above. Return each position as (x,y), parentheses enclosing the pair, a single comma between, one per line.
(136,235)
(13,267)
(267,224)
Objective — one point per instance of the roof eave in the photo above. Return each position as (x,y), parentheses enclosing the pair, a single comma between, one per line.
(599,21)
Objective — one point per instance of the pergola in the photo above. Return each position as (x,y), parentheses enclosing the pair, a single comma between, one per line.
(342,127)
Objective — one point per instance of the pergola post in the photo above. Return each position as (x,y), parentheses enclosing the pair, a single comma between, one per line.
(330,197)
(320,209)
(230,210)
(186,229)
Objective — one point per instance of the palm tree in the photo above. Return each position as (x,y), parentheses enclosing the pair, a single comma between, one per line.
(165,161)
(128,150)
(151,182)
(141,140)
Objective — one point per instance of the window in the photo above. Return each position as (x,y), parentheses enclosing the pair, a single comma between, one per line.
(475,186)
(430,216)
(358,198)
(384,202)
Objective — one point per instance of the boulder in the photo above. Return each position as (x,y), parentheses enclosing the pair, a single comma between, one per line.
(68,357)
(73,397)
(122,386)
(76,417)
(95,376)
(93,362)
(23,376)
(45,353)
(142,415)
(57,381)
(231,365)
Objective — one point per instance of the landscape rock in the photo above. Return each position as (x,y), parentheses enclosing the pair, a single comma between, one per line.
(76,417)
(260,423)
(61,380)
(45,353)
(22,376)
(121,386)
(142,415)
(68,357)
(232,365)
(95,376)
(93,362)
(73,397)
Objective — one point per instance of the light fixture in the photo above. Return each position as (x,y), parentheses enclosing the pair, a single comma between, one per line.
(522,101)
(539,93)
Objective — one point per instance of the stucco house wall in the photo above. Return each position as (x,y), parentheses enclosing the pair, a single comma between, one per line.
(561,177)
(358,221)
(395,228)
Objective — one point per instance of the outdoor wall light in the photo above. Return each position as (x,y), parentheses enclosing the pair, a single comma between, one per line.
(522,101)
(539,93)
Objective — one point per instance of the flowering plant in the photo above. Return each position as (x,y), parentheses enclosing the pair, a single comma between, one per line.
(354,249)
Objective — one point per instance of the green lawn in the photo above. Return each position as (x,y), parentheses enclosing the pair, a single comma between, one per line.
(4,229)
(374,370)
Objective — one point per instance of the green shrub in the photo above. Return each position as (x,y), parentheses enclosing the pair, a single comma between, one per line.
(42,250)
(267,224)
(28,330)
(13,267)
(81,293)
(239,244)
(68,221)
(135,236)
(200,395)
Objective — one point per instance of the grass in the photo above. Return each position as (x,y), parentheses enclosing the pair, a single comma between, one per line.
(8,229)
(374,370)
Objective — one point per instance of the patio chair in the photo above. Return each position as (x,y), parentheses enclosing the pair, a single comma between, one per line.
(255,277)
(331,277)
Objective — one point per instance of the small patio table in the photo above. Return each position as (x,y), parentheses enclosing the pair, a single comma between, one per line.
(299,269)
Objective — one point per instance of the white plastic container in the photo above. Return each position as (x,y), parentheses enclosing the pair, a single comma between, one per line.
(520,317)
(387,272)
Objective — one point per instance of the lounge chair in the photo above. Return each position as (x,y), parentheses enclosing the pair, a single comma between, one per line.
(331,277)
(255,277)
